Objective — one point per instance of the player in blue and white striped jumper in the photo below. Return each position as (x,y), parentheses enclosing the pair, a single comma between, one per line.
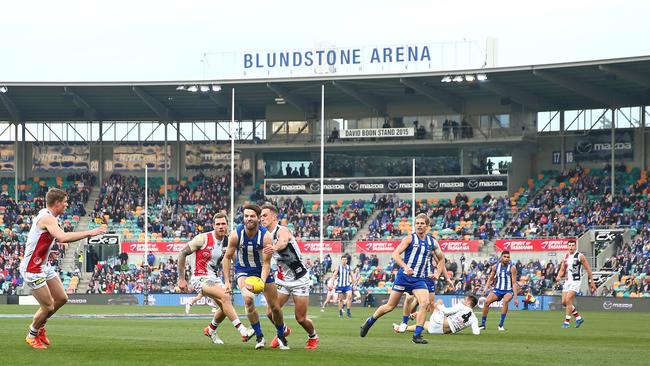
(505,289)
(343,281)
(413,255)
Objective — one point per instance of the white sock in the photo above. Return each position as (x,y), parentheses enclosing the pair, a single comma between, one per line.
(32,332)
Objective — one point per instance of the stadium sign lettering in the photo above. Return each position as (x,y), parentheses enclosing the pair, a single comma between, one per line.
(472,183)
(378,132)
(344,56)
(533,245)
(459,245)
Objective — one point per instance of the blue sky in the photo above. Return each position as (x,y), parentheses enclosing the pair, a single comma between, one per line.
(165,40)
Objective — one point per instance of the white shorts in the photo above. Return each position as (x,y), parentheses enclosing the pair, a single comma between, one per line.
(198,281)
(436,322)
(38,280)
(571,286)
(295,288)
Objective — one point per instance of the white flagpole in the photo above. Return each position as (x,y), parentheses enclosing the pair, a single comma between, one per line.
(145,291)
(413,195)
(232,161)
(322,166)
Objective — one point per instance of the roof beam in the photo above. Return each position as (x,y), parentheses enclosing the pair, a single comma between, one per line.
(365,99)
(163,112)
(220,99)
(294,99)
(632,76)
(81,103)
(518,95)
(436,95)
(15,113)
(602,95)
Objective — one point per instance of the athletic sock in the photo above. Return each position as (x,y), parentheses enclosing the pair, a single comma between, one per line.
(405,319)
(503,319)
(340,312)
(483,319)
(349,314)
(258,329)
(213,325)
(280,330)
(575,313)
(567,319)
(32,332)
(418,330)
(313,336)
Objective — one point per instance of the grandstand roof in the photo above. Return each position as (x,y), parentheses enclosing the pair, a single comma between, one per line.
(564,86)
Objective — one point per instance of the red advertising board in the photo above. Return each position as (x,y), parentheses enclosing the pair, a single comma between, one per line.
(377,246)
(533,245)
(314,246)
(452,246)
(154,247)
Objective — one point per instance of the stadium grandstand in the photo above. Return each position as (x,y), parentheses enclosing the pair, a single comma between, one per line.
(517,158)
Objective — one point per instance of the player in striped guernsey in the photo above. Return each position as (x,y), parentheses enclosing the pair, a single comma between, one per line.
(413,255)
(506,288)
(343,280)
(246,245)
(208,249)
(35,269)
(573,264)
(292,275)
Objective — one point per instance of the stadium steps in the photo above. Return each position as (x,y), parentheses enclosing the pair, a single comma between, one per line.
(363,231)
(245,195)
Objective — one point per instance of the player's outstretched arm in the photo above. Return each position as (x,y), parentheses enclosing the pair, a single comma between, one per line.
(227,260)
(590,275)
(397,254)
(266,264)
(52,226)
(191,247)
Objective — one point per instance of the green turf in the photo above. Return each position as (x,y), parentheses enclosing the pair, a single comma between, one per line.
(532,338)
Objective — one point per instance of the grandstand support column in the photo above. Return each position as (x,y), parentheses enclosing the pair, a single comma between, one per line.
(100,167)
(562,143)
(22,150)
(178,143)
(642,127)
(167,163)
(613,150)
(16,165)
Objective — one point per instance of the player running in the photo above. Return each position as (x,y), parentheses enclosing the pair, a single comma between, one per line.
(505,289)
(417,250)
(573,263)
(343,280)
(209,248)
(450,320)
(35,269)
(292,275)
(246,244)
(331,294)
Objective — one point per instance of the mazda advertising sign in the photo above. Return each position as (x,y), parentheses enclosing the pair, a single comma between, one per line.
(597,146)
(432,184)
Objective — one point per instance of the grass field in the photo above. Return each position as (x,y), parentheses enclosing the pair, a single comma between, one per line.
(532,338)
